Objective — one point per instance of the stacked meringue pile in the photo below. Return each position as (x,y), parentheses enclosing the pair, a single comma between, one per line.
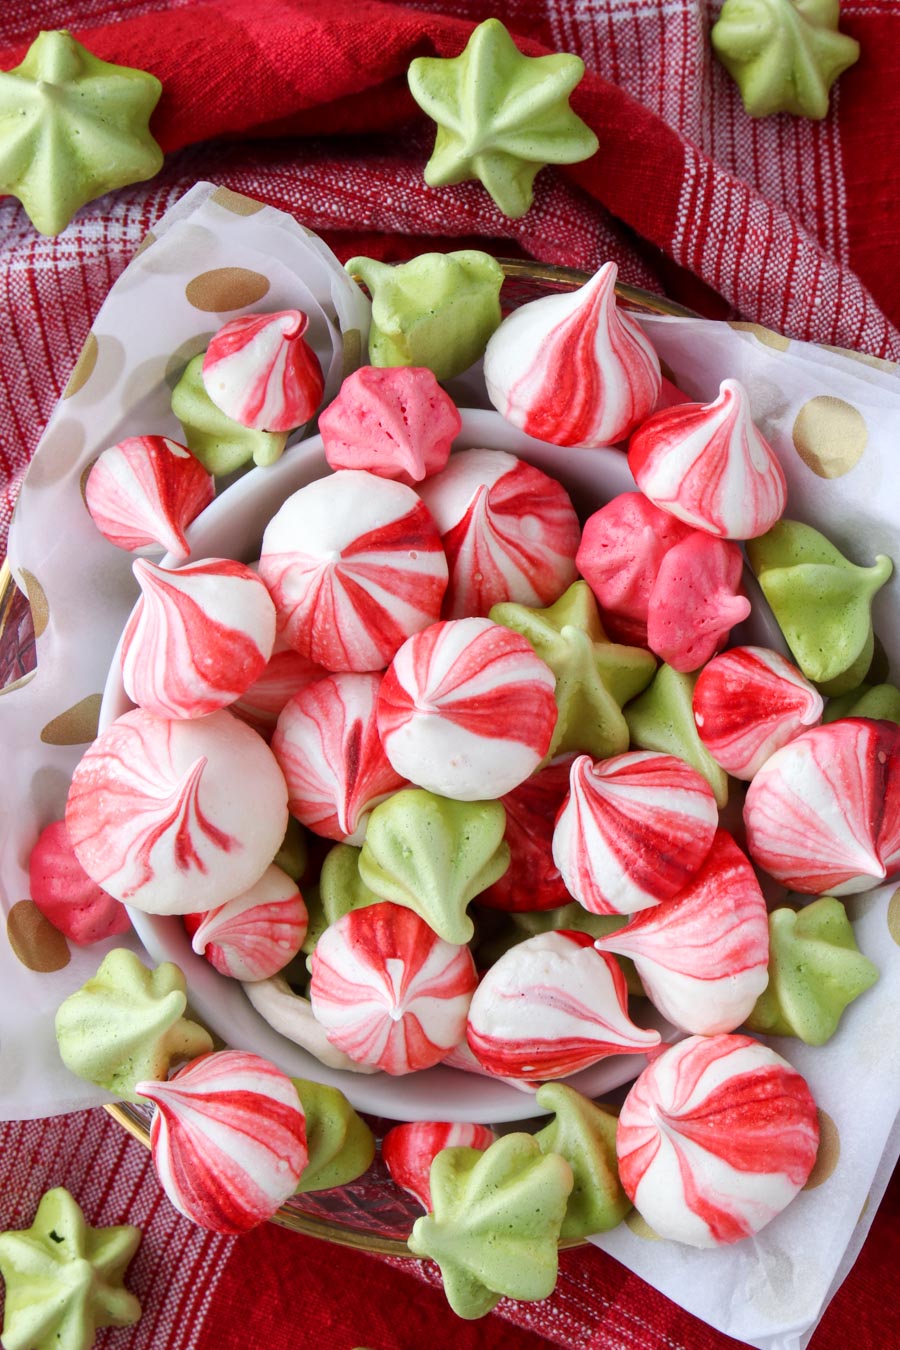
(477,701)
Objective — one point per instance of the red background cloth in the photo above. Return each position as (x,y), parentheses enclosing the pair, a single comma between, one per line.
(304,104)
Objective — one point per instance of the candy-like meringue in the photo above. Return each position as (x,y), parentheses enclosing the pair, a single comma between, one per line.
(695,601)
(550,1006)
(341,1145)
(532,881)
(254,935)
(662,719)
(509,532)
(395,421)
(331,755)
(388,991)
(702,957)
(748,703)
(585,1135)
(221,444)
(355,565)
(198,637)
(823,813)
(260,371)
(714,1139)
(66,895)
(409,1150)
(573,369)
(633,830)
(173,817)
(144,491)
(228,1139)
(286,673)
(710,466)
(466,709)
(881,702)
(290,1014)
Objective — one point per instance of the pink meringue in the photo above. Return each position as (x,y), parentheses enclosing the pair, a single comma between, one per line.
(176,816)
(532,881)
(409,1150)
(550,1006)
(467,710)
(355,565)
(823,813)
(259,371)
(388,991)
(748,703)
(331,755)
(703,956)
(509,532)
(395,421)
(715,1138)
(66,895)
(573,369)
(695,601)
(198,637)
(144,491)
(633,830)
(286,673)
(257,933)
(710,466)
(228,1139)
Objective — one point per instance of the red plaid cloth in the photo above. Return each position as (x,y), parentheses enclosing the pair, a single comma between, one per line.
(789,223)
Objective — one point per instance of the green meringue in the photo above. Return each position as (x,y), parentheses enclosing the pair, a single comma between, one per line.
(340,885)
(784,55)
(585,1135)
(662,719)
(821,601)
(341,1145)
(815,971)
(127,1024)
(433,855)
(73,127)
(500,116)
(881,702)
(221,444)
(594,676)
(64,1279)
(438,310)
(495,1225)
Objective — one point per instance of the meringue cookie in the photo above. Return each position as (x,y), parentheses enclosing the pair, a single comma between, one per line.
(290,1014)
(532,881)
(341,1145)
(409,1150)
(144,491)
(662,719)
(65,894)
(219,443)
(259,371)
(286,672)
(395,421)
(257,933)
(585,1135)
(695,601)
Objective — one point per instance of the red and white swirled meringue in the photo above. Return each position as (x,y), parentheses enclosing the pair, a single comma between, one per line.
(710,466)
(466,709)
(532,881)
(823,813)
(715,1138)
(409,1150)
(198,637)
(228,1139)
(550,1006)
(633,831)
(331,755)
(259,371)
(388,991)
(65,894)
(395,421)
(257,933)
(573,369)
(355,565)
(703,957)
(285,674)
(509,532)
(144,491)
(695,601)
(748,703)
(176,816)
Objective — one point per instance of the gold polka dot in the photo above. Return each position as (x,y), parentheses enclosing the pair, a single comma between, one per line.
(37,599)
(865,358)
(828,1154)
(109,363)
(352,340)
(777,341)
(893,916)
(34,940)
(148,239)
(183,355)
(77,725)
(830,435)
(226,288)
(57,455)
(236,202)
(640,1227)
(83,368)
(862,1212)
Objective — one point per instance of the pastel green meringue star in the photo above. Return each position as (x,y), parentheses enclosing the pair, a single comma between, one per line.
(500,116)
(815,971)
(341,1145)
(495,1222)
(594,677)
(221,444)
(341,887)
(73,127)
(784,55)
(64,1278)
(662,719)
(585,1135)
(127,1025)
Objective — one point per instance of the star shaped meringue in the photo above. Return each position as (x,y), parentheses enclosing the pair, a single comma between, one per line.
(73,127)
(500,116)
(64,1279)
(784,55)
